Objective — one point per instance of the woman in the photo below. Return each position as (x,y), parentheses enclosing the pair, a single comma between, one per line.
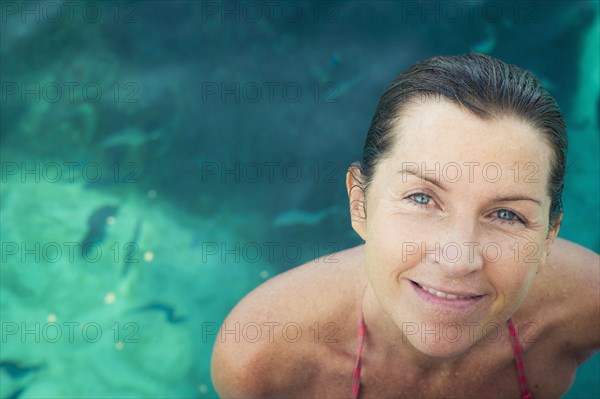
(454,293)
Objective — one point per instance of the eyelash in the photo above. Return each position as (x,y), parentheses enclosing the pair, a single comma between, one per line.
(518,218)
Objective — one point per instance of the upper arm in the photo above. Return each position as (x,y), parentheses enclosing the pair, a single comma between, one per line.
(229,380)
(240,363)
(250,360)
(578,277)
(235,372)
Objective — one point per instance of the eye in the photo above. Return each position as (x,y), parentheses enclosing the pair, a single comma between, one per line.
(508,217)
(420,199)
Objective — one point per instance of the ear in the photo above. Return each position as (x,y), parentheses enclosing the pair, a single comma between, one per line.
(552,234)
(356,196)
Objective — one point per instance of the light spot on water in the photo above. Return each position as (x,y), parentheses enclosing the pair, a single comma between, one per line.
(152,194)
(203,389)
(51,318)
(119,346)
(264,274)
(110,220)
(110,298)
(148,256)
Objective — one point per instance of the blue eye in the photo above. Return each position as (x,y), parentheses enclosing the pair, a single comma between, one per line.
(509,217)
(420,198)
(506,215)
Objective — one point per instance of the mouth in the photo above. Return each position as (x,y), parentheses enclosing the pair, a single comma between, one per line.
(455,301)
(446,295)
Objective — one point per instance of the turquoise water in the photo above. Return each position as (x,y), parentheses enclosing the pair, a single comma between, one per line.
(122,124)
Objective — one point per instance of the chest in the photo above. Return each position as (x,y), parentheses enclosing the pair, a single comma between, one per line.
(492,375)
(483,381)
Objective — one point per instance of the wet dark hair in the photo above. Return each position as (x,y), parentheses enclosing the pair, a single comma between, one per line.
(482,85)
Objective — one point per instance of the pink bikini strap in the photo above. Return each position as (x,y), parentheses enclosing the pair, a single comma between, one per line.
(362,329)
(518,351)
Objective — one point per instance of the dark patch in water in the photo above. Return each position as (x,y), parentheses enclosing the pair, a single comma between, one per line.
(97,228)
(168,310)
(131,248)
(16,370)
(17,394)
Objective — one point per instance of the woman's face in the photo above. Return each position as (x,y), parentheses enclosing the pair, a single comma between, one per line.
(456,225)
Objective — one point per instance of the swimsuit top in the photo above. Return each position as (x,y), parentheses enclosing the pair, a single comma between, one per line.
(525,392)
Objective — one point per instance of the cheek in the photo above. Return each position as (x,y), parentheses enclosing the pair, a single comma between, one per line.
(391,238)
(393,247)
(398,237)
(511,277)
(516,254)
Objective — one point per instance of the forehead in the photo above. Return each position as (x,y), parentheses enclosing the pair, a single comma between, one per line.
(441,132)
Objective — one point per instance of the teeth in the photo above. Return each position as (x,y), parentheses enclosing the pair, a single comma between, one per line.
(443,294)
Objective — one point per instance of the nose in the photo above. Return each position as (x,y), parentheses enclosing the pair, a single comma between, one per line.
(458,250)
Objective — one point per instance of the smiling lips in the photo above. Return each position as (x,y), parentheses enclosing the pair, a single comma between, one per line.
(446,295)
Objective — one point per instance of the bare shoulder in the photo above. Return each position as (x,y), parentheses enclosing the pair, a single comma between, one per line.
(569,289)
(272,331)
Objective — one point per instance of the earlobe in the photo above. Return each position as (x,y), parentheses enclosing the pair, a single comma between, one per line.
(552,234)
(356,197)
(550,238)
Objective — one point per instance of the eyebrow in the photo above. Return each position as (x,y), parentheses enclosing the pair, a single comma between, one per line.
(506,198)
(517,198)
(429,179)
